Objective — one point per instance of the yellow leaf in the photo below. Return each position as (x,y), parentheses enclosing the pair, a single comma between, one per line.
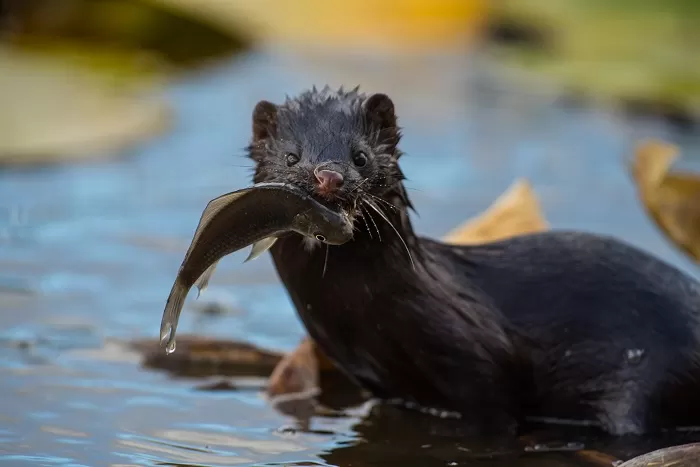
(671,199)
(516,211)
(397,25)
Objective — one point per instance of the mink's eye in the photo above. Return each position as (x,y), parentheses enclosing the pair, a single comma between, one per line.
(291,159)
(359,158)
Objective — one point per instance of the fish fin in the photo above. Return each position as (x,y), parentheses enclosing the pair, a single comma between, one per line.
(203,280)
(260,247)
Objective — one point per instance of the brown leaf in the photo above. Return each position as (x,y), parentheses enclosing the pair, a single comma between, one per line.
(686,455)
(516,211)
(671,199)
(202,356)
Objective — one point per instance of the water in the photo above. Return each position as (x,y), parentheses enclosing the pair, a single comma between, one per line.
(90,252)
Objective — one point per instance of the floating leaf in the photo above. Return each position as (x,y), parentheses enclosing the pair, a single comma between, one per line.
(671,199)
(686,455)
(55,112)
(516,211)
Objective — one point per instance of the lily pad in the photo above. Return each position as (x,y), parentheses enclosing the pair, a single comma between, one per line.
(126,27)
(622,52)
(54,111)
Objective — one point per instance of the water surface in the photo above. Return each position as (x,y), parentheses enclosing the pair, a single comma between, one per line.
(88,254)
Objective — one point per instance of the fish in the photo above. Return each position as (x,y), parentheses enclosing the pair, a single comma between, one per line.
(259,248)
(257,216)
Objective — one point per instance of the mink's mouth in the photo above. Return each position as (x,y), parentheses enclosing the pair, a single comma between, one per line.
(337,203)
(333,224)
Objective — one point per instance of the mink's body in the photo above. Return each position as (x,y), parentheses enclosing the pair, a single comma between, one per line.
(562,325)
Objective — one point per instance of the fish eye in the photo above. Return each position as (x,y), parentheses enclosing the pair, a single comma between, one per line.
(320,237)
(291,159)
(360,159)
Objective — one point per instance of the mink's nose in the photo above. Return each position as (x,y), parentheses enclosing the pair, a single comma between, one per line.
(328,180)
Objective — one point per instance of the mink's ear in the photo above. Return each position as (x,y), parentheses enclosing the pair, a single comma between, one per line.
(379,110)
(380,114)
(264,120)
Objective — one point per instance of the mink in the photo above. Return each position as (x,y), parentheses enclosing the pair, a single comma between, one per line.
(565,326)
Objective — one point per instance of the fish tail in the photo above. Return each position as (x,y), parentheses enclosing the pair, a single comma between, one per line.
(171,315)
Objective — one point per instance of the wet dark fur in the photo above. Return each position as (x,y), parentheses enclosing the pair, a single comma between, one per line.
(561,324)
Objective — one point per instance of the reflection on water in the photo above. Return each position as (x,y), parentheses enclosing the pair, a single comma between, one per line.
(89,255)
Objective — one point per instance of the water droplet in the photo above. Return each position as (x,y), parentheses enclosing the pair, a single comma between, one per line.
(170,348)
(634,356)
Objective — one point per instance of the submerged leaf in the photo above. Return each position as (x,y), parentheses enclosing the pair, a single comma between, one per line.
(671,199)
(299,373)
(54,112)
(516,211)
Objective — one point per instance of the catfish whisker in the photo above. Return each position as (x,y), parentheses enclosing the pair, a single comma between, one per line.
(383,216)
(357,187)
(377,198)
(364,218)
(372,219)
(325,261)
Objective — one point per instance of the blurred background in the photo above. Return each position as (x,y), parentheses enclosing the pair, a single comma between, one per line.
(121,119)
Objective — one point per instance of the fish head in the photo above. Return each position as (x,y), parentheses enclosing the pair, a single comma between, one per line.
(324,224)
(340,147)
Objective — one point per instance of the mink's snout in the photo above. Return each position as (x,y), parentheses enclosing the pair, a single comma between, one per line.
(328,181)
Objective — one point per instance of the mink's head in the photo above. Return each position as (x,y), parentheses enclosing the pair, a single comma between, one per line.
(336,145)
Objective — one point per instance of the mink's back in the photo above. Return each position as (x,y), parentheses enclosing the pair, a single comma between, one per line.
(595,318)
(556,275)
